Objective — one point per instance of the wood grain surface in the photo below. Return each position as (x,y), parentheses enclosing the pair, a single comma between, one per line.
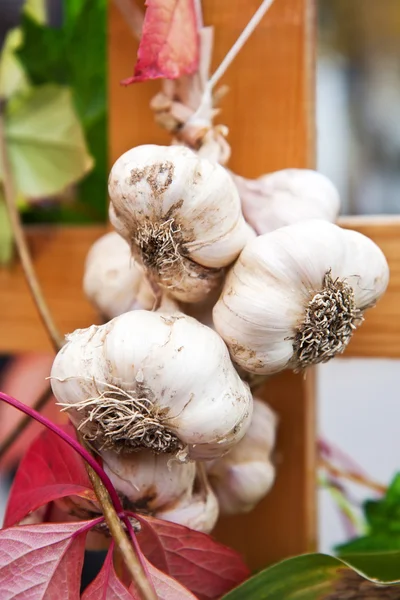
(59,255)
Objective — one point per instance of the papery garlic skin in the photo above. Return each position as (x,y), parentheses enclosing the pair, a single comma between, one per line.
(285,197)
(198,511)
(112,281)
(295,296)
(168,378)
(181,216)
(245,475)
(147,481)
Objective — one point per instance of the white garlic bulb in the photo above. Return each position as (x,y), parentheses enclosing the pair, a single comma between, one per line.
(198,510)
(285,197)
(152,380)
(112,281)
(180,214)
(295,296)
(243,477)
(148,482)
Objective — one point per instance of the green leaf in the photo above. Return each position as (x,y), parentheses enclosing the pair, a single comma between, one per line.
(318,576)
(383,521)
(75,54)
(36,9)
(45,142)
(6,235)
(12,74)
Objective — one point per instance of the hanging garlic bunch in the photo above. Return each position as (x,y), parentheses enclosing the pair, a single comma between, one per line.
(295,296)
(285,197)
(181,216)
(244,476)
(152,380)
(112,281)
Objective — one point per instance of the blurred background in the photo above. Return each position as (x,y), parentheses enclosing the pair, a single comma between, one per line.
(53,66)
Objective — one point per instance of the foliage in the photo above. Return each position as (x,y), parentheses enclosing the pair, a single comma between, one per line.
(75,55)
(169,46)
(383,521)
(317,576)
(73,59)
(45,142)
(6,237)
(178,558)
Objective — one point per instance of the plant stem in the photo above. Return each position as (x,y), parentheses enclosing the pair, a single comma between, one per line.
(24,422)
(22,246)
(354,477)
(104,490)
(240,42)
(131,559)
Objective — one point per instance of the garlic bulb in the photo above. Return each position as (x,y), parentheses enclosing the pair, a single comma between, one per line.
(285,197)
(152,380)
(112,281)
(163,487)
(243,477)
(181,216)
(295,296)
(198,510)
(147,482)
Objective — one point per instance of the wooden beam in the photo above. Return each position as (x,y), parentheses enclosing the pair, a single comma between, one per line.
(379,335)
(59,254)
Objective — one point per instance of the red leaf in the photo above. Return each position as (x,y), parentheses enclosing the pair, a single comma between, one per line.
(49,470)
(35,564)
(169,46)
(168,588)
(202,565)
(107,586)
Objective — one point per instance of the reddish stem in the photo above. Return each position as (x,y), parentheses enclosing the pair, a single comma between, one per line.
(88,526)
(138,551)
(73,443)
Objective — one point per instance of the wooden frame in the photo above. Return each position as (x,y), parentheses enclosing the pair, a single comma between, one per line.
(270,112)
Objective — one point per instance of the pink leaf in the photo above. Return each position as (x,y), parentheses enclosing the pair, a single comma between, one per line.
(169,46)
(107,586)
(42,562)
(168,588)
(202,565)
(50,469)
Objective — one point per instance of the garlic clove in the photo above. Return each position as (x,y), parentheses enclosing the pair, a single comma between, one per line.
(368,278)
(244,476)
(152,380)
(285,197)
(112,281)
(245,485)
(146,481)
(295,296)
(198,511)
(181,216)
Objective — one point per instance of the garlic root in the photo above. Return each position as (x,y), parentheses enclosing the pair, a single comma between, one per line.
(152,380)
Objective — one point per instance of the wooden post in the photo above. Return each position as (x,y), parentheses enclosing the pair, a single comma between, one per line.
(270,113)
